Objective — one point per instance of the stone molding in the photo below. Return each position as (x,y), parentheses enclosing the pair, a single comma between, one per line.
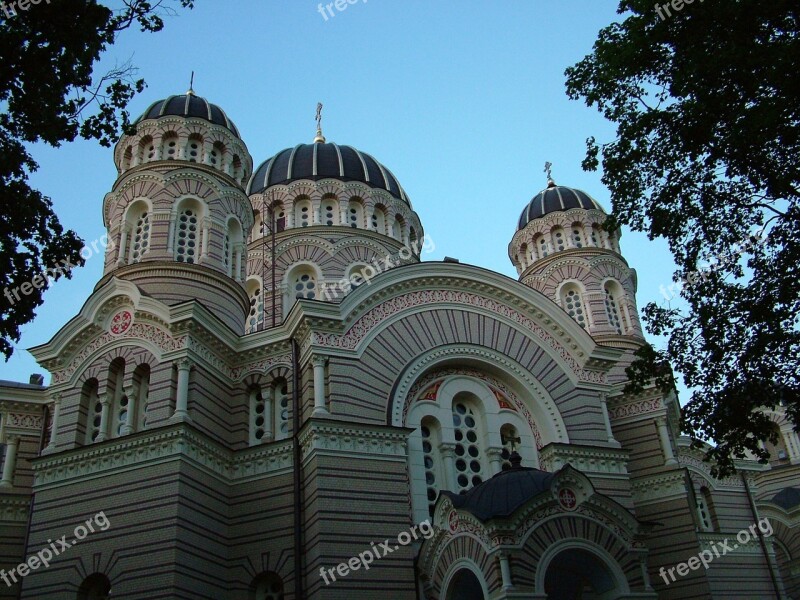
(320,437)
(659,488)
(590,460)
(401,398)
(554,338)
(623,409)
(158,446)
(14,508)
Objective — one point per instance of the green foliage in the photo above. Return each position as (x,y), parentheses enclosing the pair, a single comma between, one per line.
(707,109)
(49,93)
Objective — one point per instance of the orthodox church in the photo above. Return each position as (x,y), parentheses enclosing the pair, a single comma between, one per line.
(269,395)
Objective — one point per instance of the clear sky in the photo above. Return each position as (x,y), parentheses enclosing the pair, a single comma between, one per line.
(463,101)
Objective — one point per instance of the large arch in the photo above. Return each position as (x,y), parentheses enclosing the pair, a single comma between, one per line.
(570,566)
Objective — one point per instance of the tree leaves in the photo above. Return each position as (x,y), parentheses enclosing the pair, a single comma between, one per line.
(708,130)
(49,93)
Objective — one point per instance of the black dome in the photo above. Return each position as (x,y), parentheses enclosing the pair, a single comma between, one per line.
(504,493)
(189,105)
(323,161)
(554,198)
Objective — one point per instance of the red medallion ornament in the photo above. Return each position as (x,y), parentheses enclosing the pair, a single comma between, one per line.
(567,499)
(121,322)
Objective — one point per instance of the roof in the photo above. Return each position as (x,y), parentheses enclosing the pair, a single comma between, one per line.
(556,198)
(191,106)
(324,161)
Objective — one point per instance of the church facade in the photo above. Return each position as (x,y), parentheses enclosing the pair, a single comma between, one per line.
(270,395)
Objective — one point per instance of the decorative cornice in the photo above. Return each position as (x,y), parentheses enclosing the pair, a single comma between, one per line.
(659,488)
(401,395)
(554,338)
(624,409)
(356,440)
(590,460)
(175,442)
(14,508)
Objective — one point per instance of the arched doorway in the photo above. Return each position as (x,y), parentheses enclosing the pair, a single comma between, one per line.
(465,586)
(95,587)
(577,574)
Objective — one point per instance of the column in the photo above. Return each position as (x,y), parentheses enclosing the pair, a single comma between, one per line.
(269,414)
(666,444)
(238,261)
(495,459)
(51,446)
(130,424)
(181,413)
(320,409)
(448,452)
(607,421)
(10,463)
(123,243)
(505,572)
(103,435)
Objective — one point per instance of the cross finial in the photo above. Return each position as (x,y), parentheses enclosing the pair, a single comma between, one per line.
(512,441)
(191,86)
(548,168)
(320,139)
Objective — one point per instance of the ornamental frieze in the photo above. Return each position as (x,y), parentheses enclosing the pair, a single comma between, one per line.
(390,307)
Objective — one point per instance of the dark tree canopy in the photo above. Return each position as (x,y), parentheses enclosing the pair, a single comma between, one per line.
(49,93)
(706,101)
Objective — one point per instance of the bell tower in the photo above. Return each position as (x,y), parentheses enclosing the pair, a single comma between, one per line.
(178,213)
(561,249)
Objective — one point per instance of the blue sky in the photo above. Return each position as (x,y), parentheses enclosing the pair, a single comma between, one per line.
(463,101)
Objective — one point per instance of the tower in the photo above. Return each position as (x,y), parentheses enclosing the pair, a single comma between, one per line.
(178,214)
(561,249)
(328,219)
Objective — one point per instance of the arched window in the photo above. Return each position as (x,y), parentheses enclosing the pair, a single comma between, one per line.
(559,243)
(127,158)
(511,441)
(379,220)
(597,236)
(169,146)
(280,395)
(255,318)
(573,303)
(412,237)
(577,235)
(279,216)
(238,169)
(704,516)
(217,154)
(301,283)
(232,243)
(90,399)
(187,232)
(612,307)
(522,257)
(141,386)
(95,587)
(431,440)
(140,236)
(544,247)
(267,586)
(260,421)
(302,212)
(469,449)
(330,210)
(355,212)
(465,585)
(194,148)
(146,151)
(118,400)
(397,228)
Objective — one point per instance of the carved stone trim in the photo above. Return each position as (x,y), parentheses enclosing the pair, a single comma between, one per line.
(14,509)
(376,316)
(347,439)
(623,410)
(589,460)
(656,489)
(149,447)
